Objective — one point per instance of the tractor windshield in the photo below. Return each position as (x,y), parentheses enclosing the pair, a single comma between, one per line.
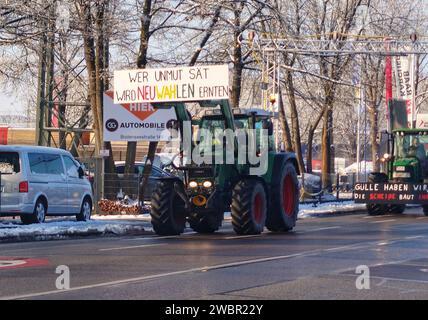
(411,146)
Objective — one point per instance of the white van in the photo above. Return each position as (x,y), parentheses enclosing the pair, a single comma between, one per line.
(39,181)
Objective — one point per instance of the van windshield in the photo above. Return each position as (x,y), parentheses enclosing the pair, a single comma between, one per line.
(9,163)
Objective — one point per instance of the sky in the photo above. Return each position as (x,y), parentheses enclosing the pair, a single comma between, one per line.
(11,105)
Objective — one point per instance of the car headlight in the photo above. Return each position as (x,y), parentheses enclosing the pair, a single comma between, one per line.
(207,184)
(193,184)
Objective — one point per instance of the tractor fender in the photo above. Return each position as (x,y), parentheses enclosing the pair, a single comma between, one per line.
(279,160)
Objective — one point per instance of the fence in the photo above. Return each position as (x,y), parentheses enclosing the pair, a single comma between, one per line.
(340,189)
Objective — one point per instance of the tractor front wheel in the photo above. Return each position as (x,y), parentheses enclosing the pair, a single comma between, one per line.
(206,222)
(167,210)
(249,207)
(285,200)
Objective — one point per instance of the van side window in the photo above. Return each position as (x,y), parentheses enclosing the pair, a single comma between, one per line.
(37,163)
(54,164)
(71,167)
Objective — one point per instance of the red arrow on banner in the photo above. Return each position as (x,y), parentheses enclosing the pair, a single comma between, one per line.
(141,110)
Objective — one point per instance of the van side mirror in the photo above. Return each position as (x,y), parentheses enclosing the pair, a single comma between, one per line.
(81,172)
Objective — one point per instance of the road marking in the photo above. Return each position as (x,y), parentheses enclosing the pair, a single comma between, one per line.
(388,278)
(132,247)
(319,229)
(383,221)
(160,238)
(414,237)
(241,237)
(421,218)
(14,263)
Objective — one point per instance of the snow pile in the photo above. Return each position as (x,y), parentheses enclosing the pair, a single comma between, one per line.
(309,210)
(58,229)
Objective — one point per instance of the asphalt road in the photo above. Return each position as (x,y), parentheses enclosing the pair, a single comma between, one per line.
(318,260)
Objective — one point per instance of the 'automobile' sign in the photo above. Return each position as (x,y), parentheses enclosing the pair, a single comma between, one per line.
(136,121)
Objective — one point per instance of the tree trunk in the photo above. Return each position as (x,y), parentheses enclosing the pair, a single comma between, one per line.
(326,146)
(295,126)
(238,66)
(309,151)
(89,52)
(374,128)
(131,148)
(286,135)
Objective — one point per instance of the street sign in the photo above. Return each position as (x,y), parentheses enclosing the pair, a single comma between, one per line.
(171,84)
(135,121)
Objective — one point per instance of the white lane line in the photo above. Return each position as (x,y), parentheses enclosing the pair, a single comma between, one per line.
(133,247)
(160,238)
(319,229)
(388,278)
(383,221)
(240,237)
(414,237)
(421,218)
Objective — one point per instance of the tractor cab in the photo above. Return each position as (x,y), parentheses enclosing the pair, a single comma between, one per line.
(410,161)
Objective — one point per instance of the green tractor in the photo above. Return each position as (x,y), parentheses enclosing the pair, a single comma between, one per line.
(405,162)
(204,192)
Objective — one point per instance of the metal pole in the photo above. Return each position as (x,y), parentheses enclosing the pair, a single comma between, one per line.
(358,133)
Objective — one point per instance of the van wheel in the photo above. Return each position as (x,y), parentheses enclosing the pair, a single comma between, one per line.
(85,211)
(39,213)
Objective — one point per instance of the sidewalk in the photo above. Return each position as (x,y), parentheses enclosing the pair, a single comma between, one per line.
(128,225)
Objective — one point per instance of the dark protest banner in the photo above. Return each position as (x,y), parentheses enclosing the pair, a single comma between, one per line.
(171,84)
(391,193)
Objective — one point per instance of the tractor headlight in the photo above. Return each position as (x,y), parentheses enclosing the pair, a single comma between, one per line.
(193,184)
(207,184)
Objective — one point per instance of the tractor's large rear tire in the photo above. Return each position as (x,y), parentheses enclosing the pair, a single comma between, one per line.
(284,206)
(249,207)
(205,222)
(376,209)
(425,208)
(396,208)
(167,210)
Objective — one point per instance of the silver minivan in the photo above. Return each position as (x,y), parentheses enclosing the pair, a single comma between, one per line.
(40,181)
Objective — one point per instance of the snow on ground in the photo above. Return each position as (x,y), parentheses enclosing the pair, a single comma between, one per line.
(60,228)
(309,210)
